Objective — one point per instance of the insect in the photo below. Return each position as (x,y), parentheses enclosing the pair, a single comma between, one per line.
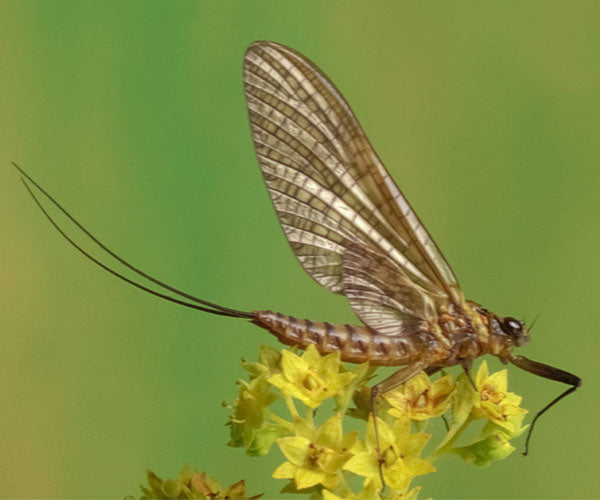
(353,232)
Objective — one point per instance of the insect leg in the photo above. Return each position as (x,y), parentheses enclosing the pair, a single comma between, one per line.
(548,372)
(430,370)
(393,381)
(466,366)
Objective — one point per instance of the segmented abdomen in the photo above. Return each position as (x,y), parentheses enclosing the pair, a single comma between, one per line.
(357,344)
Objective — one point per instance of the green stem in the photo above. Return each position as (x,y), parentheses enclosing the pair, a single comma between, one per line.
(281,421)
(290,405)
(309,415)
(446,448)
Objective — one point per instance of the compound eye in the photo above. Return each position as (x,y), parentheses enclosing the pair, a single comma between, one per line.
(512,326)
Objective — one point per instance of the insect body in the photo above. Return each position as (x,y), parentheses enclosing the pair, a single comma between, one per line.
(449,342)
(353,232)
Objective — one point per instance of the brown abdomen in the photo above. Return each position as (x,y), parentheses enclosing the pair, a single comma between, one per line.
(357,344)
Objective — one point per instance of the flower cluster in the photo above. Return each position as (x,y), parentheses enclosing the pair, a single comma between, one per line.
(191,484)
(321,458)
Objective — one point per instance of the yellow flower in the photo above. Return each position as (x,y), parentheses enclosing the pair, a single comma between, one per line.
(192,484)
(363,373)
(268,363)
(419,399)
(372,492)
(248,427)
(369,492)
(489,401)
(494,403)
(362,404)
(315,456)
(409,495)
(487,450)
(310,377)
(400,452)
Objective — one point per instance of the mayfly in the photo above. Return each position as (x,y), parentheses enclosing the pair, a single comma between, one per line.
(354,233)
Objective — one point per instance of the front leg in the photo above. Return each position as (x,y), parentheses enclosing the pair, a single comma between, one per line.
(396,379)
(549,372)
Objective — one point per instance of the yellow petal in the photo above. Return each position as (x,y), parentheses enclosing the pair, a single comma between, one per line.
(417,466)
(330,364)
(401,474)
(358,447)
(512,399)
(306,478)
(269,357)
(482,374)
(307,397)
(343,379)
(415,444)
(498,380)
(493,410)
(311,356)
(292,365)
(294,448)
(348,440)
(394,412)
(327,495)
(442,386)
(330,433)
(330,481)
(411,495)
(396,478)
(397,400)
(363,464)
(371,490)
(285,471)
(418,384)
(386,436)
(278,380)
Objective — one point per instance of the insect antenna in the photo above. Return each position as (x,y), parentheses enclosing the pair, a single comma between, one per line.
(206,306)
(533,322)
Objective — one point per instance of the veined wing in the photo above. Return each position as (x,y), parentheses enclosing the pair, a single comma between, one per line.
(382,296)
(328,186)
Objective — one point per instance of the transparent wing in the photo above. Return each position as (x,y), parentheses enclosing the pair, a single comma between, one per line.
(381,294)
(329,188)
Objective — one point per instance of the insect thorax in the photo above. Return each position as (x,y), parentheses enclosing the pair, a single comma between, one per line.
(466,333)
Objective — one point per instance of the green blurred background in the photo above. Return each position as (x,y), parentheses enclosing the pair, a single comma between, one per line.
(132,114)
